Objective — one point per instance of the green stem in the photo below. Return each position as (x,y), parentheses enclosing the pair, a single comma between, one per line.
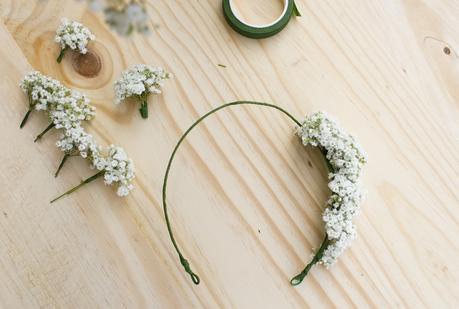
(317,257)
(61,55)
(92,178)
(24,120)
(39,136)
(184,261)
(144,108)
(66,156)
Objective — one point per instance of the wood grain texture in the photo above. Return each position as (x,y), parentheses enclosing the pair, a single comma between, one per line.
(245,195)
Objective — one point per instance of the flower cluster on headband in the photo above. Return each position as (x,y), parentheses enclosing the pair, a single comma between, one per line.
(139,82)
(346,159)
(72,35)
(67,109)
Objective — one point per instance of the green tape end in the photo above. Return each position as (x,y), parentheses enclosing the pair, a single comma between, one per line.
(295,10)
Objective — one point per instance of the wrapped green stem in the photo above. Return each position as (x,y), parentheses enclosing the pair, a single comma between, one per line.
(144,108)
(317,257)
(24,120)
(66,156)
(39,136)
(61,55)
(84,182)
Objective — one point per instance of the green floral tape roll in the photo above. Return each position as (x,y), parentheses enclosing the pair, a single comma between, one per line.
(262,31)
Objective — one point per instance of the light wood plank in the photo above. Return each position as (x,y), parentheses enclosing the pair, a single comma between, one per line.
(245,196)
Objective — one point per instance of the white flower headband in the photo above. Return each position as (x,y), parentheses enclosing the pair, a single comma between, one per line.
(345,159)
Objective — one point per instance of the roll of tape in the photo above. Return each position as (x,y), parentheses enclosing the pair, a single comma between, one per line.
(262,31)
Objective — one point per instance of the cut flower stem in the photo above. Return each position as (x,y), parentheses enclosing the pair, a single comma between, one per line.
(299,278)
(66,156)
(24,120)
(39,136)
(144,108)
(84,182)
(61,55)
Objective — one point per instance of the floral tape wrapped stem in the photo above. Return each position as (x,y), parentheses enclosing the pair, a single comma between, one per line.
(344,159)
(72,35)
(26,116)
(138,83)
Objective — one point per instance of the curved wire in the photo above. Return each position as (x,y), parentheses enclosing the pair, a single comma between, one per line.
(183,261)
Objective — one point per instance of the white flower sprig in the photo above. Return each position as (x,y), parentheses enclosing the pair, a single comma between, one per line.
(67,109)
(71,108)
(72,35)
(119,169)
(76,142)
(41,91)
(139,82)
(124,16)
(346,159)
(116,168)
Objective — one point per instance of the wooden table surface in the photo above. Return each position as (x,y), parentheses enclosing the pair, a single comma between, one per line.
(245,196)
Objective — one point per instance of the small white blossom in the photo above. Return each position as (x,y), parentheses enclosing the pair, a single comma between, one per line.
(119,169)
(71,109)
(73,35)
(346,158)
(76,141)
(41,90)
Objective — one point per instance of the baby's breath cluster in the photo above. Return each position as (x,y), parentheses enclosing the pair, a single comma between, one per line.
(67,109)
(124,16)
(139,82)
(346,160)
(72,35)
(40,89)
(119,169)
(70,109)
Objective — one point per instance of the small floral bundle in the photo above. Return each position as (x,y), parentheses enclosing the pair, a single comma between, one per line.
(139,82)
(75,141)
(72,35)
(41,91)
(119,169)
(346,159)
(67,109)
(124,16)
(70,109)
(115,167)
